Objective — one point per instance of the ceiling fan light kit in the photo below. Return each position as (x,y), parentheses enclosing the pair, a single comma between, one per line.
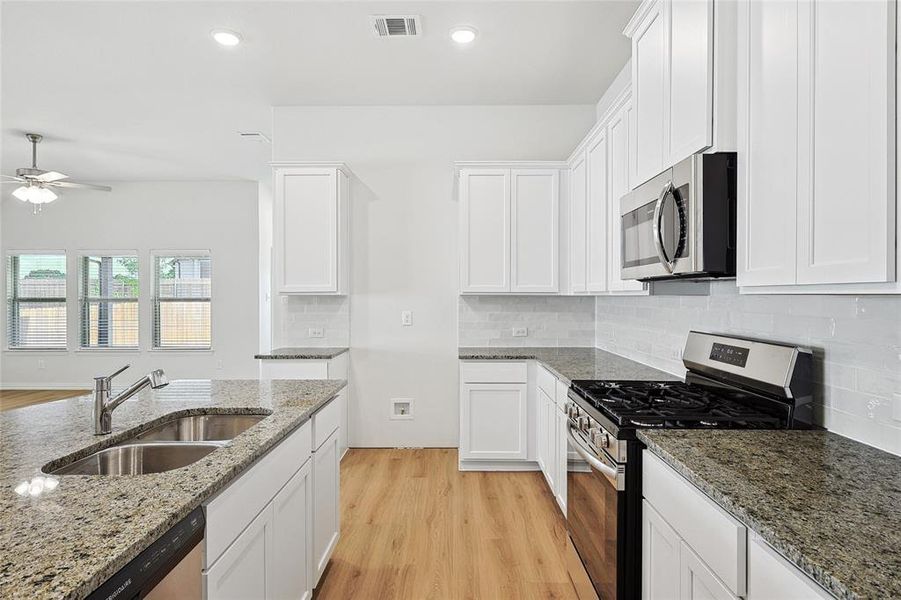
(37,184)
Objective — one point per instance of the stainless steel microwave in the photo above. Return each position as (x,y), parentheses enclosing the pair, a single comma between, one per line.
(681,223)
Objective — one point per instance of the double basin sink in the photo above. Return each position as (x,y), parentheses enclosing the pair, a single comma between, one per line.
(172,444)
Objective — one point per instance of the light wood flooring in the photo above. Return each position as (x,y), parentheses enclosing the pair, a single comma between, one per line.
(10,399)
(414,527)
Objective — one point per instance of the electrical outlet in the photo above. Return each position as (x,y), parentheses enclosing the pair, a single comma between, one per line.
(401,409)
(41,364)
(317,332)
(520,331)
(406,318)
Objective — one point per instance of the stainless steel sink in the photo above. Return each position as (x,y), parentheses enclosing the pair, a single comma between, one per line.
(138,459)
(199,428)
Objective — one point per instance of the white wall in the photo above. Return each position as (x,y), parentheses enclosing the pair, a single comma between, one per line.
(856,341)
(554,321)
(215,216)
(404,238)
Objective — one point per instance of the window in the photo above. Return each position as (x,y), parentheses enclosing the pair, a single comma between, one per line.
(36,301)
(181,303)
(108,301)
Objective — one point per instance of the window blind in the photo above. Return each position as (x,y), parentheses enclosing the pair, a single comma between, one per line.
(181,303)
(36,301)
(109,301)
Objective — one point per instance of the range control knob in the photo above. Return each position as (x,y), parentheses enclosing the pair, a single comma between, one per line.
(599,438)
(583,423)
(572,411)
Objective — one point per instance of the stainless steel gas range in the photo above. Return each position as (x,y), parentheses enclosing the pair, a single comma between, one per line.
(731,382)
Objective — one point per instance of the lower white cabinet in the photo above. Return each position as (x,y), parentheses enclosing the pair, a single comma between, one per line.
(561,423)
(547,438)
(771,577)
(697,581)
(659,557)
(494,421)
(240,572)
(292,512)
(326,514)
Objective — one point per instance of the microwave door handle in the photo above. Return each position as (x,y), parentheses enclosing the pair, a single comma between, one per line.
(658,232)
(592,460)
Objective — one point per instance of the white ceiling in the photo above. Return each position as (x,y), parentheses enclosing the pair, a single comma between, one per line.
(139,91)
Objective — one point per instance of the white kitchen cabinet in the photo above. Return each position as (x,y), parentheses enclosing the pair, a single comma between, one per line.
(561,425)
(660,566)
(817,201)
(618,141)
(697,581)
(242,571)
(494,421)
(598,198)
(292,511)
(647,31)
(771,577)
(578,228)
(311,229)
(509,230)
(534,215)
(547,439)
(542,426)
(326,503)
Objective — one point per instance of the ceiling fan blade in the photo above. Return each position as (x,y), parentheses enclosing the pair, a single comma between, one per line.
(50,176)
(12,178)
(73,184)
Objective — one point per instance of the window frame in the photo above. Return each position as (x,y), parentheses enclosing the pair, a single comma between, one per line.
(81,275)
(156,301)
(13,300)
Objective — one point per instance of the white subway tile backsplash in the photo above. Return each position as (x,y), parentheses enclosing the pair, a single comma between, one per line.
(551,321)
(299,314)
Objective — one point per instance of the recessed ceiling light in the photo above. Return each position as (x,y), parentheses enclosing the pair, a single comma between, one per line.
(463,35)
(226,37)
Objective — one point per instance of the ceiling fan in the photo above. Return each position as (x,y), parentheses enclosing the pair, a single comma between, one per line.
(37,185)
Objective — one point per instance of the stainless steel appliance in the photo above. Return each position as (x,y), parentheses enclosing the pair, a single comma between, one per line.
(681,223)
(732,382)
(171,568)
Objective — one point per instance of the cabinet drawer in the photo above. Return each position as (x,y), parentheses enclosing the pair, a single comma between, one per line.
(494,372)
(547,382)
(326,421)
(717,537)
(235,507)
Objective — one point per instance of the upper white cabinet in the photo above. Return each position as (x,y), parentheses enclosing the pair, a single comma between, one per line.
(817,144)
(683,82)
(598,199)
(578,230)
(509,230)
(311,229)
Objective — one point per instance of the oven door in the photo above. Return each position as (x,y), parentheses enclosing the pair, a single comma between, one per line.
(595,508)
(655,229)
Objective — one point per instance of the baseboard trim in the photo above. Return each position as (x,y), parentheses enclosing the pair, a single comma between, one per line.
(498,465)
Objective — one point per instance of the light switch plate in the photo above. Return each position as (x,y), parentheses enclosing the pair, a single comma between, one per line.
(520,331)
(406,318)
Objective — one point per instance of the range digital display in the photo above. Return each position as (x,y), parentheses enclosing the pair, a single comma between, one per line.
(731,355)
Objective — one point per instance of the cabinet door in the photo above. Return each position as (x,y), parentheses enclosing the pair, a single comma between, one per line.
(548,439)
(242,570)
(534,214)
(659,557)
(494,421)
(326,503)
(292,537)
(561,424)
(689,78)
(697,580)
(485,231)
(598,195)
(846,204)
(618,170)
(578,227)
(771,577)
(648,86)
(306,230)
(768,136)
(542,427)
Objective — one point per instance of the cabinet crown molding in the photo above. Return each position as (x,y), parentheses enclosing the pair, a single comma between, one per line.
(285,164)
(638,17)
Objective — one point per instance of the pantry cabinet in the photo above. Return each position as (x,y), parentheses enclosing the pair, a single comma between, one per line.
(683,82)
(816,193)
(509,230)
(311,229)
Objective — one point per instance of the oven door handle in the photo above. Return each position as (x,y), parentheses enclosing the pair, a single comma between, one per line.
(668,264)
(611,473)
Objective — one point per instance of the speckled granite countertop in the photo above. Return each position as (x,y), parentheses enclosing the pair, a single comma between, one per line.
(301,354)
(573,363)
(67,541)
(830,505)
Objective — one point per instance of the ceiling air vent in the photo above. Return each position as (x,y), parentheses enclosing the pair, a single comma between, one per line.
(391,26)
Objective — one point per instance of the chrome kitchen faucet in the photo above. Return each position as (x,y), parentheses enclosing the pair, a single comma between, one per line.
(104,405)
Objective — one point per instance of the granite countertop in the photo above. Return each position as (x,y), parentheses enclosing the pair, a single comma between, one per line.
(574,363)
(66,541)
(830,505)
(297,353)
